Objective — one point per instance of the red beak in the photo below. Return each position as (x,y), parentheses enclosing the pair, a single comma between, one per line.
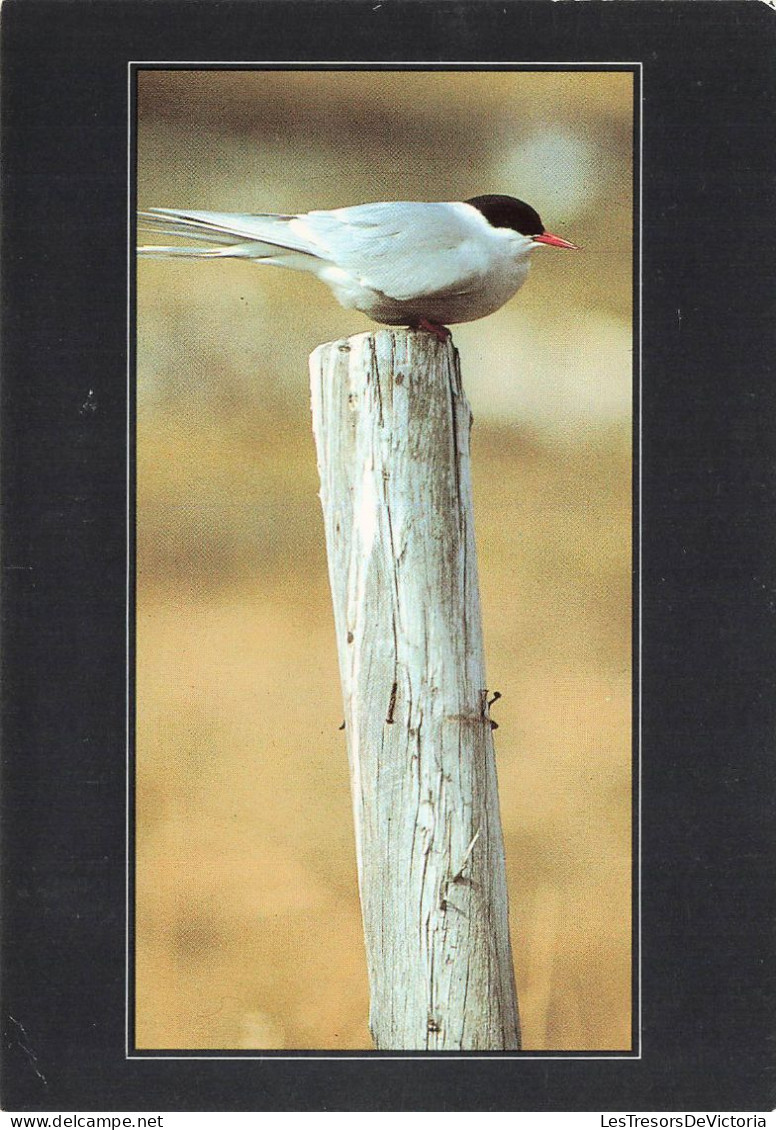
(555,241)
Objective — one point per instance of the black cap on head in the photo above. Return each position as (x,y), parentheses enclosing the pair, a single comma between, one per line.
(507,212)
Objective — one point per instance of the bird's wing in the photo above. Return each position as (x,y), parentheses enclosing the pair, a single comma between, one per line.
(405,250)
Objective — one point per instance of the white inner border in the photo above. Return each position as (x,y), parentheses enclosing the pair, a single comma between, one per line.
(375,65)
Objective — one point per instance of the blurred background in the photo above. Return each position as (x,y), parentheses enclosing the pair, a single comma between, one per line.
(248,922)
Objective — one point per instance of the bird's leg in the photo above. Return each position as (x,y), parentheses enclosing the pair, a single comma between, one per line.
(441,333)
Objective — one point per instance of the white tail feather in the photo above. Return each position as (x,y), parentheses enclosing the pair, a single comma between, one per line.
(170,252)
(231,230)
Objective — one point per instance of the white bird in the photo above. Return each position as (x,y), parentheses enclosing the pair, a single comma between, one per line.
(401,263)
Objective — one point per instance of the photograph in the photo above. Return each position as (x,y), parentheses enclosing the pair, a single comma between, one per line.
(387,565)
(408,204)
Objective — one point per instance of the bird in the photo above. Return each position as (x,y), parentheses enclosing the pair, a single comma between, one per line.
(425,265)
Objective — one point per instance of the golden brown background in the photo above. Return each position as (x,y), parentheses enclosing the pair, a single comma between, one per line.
(248,924)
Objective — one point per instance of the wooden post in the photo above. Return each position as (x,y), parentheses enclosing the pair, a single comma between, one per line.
(391,426)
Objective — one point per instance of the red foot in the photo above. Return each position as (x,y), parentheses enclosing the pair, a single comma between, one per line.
(441,333)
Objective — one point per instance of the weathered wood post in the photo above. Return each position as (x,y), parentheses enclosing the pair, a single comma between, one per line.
(391,426)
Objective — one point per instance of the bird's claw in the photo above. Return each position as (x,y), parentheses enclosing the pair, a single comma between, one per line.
(441,333)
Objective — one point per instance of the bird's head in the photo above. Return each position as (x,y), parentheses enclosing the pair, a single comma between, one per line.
(508,212)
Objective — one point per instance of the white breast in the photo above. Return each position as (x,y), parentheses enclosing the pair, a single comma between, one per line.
(497,263)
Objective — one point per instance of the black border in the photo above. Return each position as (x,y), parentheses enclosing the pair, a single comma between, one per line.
(708,573)
(239,1053)
(131,576)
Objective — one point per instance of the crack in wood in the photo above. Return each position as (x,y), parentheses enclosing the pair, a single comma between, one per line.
(392,704)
